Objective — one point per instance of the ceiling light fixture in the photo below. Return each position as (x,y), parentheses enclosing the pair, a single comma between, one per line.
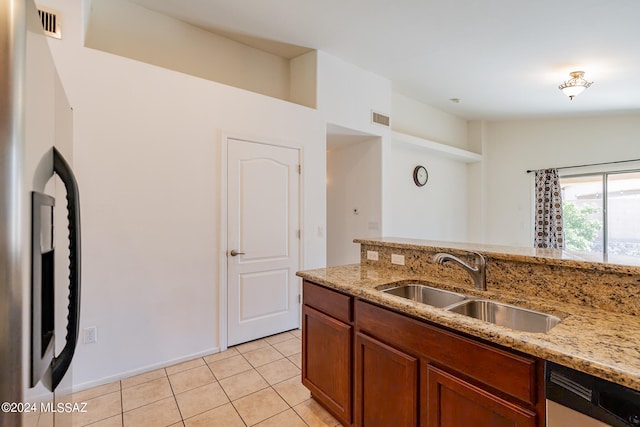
(575,85)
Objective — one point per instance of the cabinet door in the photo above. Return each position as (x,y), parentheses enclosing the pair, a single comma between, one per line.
(326,361)
(386,385)
(453,402)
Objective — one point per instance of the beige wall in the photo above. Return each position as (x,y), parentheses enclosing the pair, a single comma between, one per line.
(438,210)
(512,147)
(129,30)
(353,182)
(148,157)
(303,82)
(348,94)
(415,118)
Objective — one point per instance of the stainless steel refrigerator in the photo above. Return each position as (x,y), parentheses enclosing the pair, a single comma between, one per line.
(39,227)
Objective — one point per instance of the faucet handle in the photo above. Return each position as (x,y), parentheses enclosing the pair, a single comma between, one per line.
(479,258)
(477,271)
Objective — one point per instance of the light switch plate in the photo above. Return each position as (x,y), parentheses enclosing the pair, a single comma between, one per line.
(90,335)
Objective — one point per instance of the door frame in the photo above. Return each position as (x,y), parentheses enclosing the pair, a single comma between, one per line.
(222,244)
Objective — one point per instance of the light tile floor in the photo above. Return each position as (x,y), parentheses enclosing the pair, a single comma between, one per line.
(253,384)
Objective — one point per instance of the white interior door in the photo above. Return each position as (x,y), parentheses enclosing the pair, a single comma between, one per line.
(262,240)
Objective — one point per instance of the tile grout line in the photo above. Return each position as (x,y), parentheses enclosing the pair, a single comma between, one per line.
(290,407)
(121,404)
(173,394)
(269,385)
(265,380)
(105,417)
(299,415)
(137,385)
(225,393)
(267,346)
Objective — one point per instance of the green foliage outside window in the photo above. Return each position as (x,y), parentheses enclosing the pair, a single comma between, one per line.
(579,231)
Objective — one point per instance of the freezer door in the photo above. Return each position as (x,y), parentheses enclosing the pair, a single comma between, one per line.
(32,122)
(27,135)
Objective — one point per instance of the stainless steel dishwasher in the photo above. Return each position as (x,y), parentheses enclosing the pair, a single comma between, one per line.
(578,399)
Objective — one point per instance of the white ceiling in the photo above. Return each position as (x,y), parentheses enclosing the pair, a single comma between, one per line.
(503,58)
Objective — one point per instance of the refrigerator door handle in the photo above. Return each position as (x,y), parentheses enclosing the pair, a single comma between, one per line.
(60,364)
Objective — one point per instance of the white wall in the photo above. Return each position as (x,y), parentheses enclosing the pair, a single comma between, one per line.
(147,157)
(512,147)
(415,118)
(347,95)
(476,184)
(353,183)
(130,30)
(436,211)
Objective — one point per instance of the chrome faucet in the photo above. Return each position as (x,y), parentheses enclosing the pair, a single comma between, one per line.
(477,272)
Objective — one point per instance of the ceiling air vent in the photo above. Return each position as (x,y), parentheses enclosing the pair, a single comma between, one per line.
(379,119)
(50,22)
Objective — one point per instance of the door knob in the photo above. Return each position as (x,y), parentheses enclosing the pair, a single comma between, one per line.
(235,253)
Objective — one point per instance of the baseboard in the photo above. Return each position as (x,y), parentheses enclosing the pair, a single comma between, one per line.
(142,370)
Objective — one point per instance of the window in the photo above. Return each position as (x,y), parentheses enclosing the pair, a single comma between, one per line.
(601,213)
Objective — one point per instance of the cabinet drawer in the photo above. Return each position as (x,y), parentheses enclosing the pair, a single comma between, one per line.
(507,372)
(330,302)
(454,402)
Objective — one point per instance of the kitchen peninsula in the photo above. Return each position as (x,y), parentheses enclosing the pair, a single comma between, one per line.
(366,332)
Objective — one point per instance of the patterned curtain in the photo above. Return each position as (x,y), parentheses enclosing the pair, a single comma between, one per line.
(549,230)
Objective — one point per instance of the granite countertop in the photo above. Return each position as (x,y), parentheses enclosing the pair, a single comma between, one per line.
(602,343)
(592,261)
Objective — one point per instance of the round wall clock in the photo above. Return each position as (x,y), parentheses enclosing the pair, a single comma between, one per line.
(420,175)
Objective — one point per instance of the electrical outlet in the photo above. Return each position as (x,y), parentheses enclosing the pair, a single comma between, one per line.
(90,335)
(397,259)
(372,255)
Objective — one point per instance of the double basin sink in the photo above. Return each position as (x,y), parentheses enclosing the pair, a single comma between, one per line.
(501,314)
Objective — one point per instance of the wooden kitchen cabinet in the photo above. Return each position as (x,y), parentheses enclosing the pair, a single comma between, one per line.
(453,402)
(327,349)
(408,372)
(386,385)
(462,381)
